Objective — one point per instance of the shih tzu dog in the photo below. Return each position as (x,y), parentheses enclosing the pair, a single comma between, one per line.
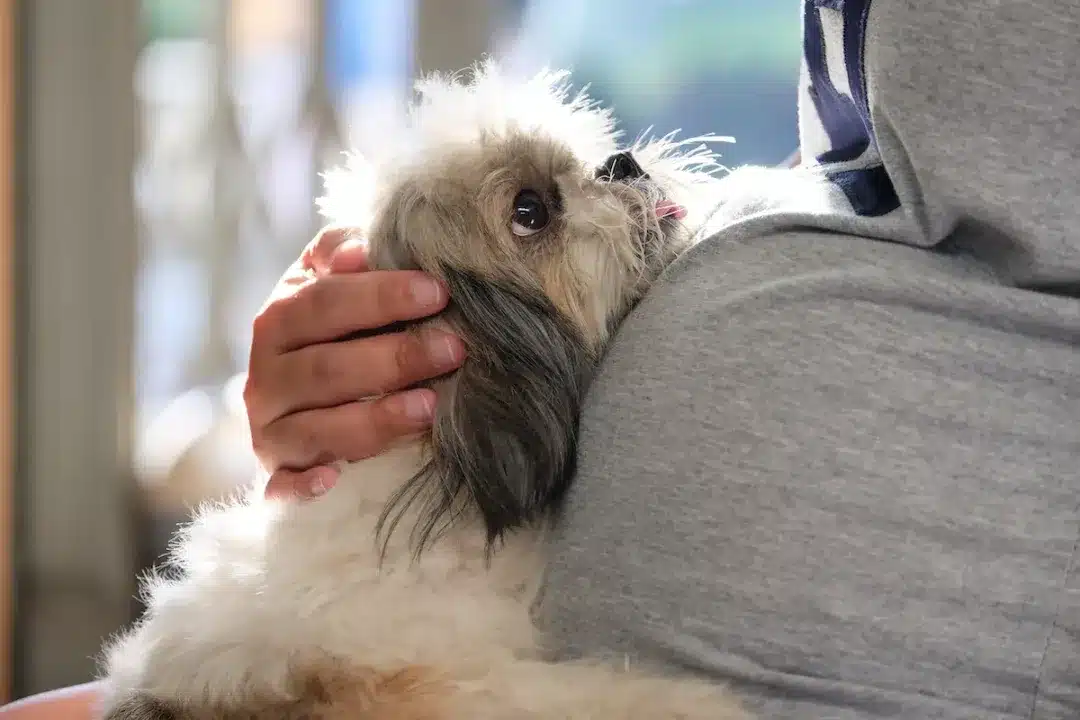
(404,593)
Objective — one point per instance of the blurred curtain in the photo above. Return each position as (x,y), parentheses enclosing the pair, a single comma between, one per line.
(77,255)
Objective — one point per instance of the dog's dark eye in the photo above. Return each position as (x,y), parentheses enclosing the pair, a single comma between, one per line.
(530,214)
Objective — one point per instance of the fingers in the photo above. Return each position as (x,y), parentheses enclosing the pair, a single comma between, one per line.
(306,385)
(351,256)
(320,252)
(336,250)
(330,374)
(349,432)
(331,306)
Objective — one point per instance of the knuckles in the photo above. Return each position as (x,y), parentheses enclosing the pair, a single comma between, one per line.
(410,358)
(317,298)
(391,296)
(308,442)
(322,367)
(266,322)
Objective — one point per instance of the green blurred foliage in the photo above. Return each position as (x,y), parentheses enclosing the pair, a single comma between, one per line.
(176,19)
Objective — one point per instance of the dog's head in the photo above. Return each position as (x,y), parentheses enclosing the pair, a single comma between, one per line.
(516,195)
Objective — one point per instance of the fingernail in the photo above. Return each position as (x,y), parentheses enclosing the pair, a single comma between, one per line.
(443,349)
(426,293)
(418,405)
(346,254)
(353,244)
(350,247)
(321,483)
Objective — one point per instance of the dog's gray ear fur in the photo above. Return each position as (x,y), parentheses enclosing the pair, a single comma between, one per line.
(505,433)
(508,429)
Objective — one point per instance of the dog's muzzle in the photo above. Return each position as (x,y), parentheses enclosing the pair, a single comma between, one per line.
(620,167)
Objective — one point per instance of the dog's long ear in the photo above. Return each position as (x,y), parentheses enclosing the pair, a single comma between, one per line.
(505,433)
(504,440)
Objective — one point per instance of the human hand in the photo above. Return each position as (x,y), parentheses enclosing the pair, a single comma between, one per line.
(312,398)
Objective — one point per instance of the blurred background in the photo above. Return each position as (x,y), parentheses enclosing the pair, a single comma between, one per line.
(161,161)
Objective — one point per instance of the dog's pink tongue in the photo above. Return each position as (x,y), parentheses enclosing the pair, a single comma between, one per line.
(666,208)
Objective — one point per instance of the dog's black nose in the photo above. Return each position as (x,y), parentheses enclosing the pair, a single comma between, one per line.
(620,167)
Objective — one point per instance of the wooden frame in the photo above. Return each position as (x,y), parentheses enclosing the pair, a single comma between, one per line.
(7,334)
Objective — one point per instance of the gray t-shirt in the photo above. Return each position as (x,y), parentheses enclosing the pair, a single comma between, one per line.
(835,460)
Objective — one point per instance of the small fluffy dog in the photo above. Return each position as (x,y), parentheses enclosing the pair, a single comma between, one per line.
(404,593)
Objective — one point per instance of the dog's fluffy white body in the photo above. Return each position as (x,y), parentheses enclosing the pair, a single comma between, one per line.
(274,590)
(294,610)
(271,587)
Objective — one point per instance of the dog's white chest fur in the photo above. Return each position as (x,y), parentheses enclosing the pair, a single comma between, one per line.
(287,613)
(273,587)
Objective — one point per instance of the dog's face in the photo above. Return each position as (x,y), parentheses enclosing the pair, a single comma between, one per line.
(517,197)
(523,211)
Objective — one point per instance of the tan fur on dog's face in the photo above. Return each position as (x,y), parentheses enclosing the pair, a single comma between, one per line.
(600,247)
(442,194)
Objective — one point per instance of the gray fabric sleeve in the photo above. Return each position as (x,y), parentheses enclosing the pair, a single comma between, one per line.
(839,473)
